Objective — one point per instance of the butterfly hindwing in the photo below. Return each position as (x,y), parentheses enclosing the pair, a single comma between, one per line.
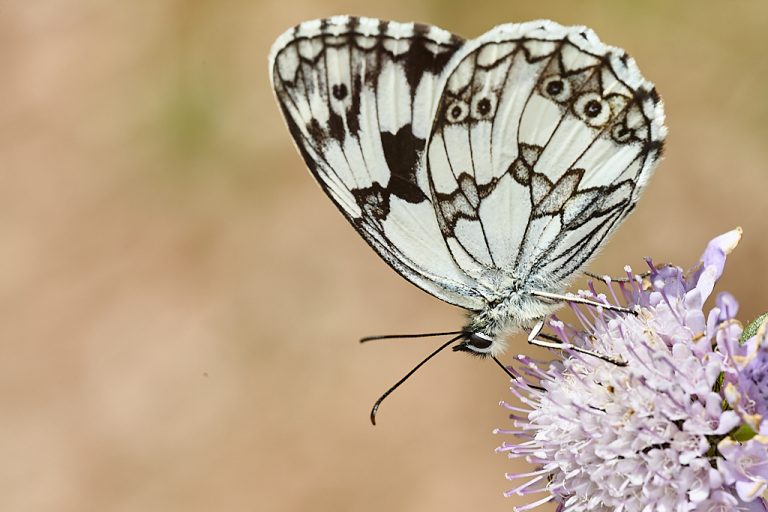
(359,96)
(542,141)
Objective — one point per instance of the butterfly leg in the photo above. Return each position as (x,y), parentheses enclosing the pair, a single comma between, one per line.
(535,338)
(581,300)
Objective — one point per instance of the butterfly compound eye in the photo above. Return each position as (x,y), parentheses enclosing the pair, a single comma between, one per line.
(479,342)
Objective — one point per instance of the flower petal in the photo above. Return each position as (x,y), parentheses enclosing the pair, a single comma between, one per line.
(720,247)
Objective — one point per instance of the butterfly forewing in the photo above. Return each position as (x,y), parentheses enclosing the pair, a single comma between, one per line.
(542,141)
(359,96)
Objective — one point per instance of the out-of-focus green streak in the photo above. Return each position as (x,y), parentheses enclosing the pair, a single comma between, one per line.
(188,121)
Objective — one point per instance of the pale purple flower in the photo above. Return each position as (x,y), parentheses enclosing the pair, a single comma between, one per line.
(678,428)
(751,372)
(745,465)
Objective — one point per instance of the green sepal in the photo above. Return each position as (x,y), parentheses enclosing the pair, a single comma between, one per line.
(743,433)
(752,328)
(719,383)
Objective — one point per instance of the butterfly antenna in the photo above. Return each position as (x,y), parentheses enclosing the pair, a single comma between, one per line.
(407,375)
(515,377)
(404,336)
(506,370)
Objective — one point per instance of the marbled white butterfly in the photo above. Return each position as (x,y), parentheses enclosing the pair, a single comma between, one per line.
(484,171)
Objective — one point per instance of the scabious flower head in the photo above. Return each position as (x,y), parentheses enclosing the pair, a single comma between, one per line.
(681,426)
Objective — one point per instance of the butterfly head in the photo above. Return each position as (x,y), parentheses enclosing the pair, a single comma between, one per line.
(480,345)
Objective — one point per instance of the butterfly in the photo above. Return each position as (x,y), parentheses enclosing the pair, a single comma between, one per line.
(487,171)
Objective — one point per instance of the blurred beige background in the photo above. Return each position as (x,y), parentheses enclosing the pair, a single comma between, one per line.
(180,304)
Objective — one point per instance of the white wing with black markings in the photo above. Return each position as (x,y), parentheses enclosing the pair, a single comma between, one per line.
(468,166)
(359,96)
(542,142)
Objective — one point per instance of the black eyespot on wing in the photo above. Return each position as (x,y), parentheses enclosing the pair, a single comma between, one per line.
(483,107)
(456,112)
(556,88)
(339,91)
(593,109)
